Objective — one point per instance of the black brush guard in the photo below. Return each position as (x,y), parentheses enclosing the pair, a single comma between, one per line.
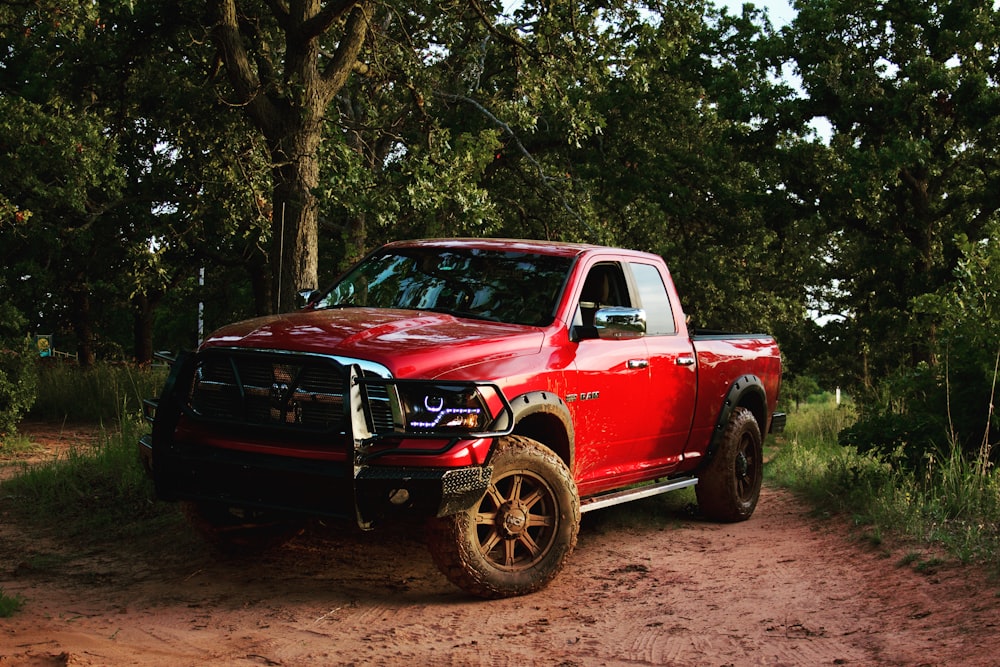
(313,400)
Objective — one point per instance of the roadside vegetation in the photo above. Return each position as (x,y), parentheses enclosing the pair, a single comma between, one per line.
(95,492)
(107,393)
(10,604)
(947,505)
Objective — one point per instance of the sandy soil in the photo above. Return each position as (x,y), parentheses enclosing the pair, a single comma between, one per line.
(647,585)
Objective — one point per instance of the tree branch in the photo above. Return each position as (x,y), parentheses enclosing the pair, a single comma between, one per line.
(336,72)
(320,23)
(240,72)
(492,29)
(545,180)
(279,9)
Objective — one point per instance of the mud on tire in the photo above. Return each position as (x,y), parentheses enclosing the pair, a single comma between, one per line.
(729,486)
(517,538)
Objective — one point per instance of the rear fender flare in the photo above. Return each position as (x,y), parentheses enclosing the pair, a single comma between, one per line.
(747,391)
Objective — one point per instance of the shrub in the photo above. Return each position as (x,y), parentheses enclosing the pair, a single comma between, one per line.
(923,411)
(18,382)
(904,420)
(10,604)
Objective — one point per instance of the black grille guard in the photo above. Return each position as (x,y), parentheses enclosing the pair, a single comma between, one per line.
(358,423)
(355,427)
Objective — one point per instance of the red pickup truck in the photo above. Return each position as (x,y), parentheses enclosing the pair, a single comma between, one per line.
(497,388)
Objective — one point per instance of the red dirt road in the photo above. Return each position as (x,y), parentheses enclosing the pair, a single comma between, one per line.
(647,585)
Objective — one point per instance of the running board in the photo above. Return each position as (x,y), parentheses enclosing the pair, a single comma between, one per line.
(618,497)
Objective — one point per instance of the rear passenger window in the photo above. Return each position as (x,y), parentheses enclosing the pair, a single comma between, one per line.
(653,297)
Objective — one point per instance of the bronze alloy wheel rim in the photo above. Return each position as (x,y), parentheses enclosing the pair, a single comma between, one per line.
(517,521)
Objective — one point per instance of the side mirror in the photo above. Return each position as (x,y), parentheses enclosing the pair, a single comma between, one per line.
(617,323)
(309,296)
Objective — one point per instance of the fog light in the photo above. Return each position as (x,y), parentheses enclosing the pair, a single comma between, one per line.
(399,496)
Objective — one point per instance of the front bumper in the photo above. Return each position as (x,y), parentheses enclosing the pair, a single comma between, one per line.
(309,486)
(352,484)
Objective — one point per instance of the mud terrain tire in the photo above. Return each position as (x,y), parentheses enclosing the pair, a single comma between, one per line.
(729,486)
(515,540)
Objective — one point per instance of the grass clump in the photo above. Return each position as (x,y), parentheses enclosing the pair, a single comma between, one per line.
(10,604)
(95,496)
(16,444)
(104,394)
(97,493)
(950,503)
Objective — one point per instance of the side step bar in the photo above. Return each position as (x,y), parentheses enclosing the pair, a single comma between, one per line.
(618,497)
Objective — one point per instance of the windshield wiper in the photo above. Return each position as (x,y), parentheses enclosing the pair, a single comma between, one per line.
(336,306)
(461,313)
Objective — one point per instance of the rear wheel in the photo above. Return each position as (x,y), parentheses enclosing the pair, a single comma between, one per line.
(517,538)
(236,531)
(729,486)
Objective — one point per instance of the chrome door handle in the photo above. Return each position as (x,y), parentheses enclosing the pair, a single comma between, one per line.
(684,361)
(637,363)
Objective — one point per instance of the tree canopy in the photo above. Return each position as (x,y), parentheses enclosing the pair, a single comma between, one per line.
(271,144)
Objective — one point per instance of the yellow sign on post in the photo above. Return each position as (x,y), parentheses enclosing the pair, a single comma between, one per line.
(44,344)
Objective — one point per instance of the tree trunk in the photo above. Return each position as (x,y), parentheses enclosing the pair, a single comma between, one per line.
(260,283)
(295,224)
(287,101)
(143,310)
(83,326)
(356,241)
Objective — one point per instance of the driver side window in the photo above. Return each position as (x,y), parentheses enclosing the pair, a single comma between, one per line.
(604,286)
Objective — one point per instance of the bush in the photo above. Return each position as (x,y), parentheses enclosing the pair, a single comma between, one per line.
(10,604)
(904,420)
(923,412)
(18,381)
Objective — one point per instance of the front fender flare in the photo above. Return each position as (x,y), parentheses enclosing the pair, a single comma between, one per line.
(527,405)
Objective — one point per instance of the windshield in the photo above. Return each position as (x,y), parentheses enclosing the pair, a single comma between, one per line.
(513,287)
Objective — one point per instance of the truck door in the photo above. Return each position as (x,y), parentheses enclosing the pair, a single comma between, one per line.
(672,367)
(610,398)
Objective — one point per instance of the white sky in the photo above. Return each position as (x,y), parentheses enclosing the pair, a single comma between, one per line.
(780,11)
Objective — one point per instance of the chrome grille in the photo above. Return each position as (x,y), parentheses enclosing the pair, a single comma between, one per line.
(289,391)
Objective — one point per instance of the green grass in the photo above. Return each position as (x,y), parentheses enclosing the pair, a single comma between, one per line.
(15,444)
(93,493)
(952,506)
(105,394)
(10,604)
(98,493)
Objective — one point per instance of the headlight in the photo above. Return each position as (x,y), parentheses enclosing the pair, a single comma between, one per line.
(447,408)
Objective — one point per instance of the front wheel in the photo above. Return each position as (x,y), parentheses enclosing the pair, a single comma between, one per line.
(517,538)
(729,486)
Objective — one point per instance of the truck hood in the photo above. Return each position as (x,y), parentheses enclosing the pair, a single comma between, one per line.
(409,343)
